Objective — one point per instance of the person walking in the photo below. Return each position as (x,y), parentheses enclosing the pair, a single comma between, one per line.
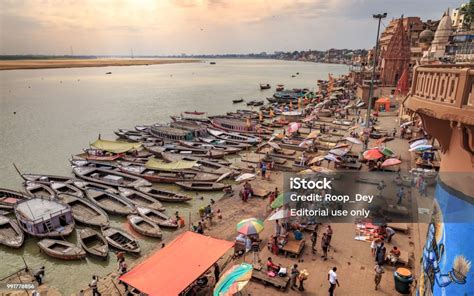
(380,254)
(329,233)
(93,286)
(324,246)
(293,276)
(123,270)
(314,238)
(378,275)
(263,168)
(333,281)
(390,233)
(400,194)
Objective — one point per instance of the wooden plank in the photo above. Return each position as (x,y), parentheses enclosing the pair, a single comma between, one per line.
(277,281)
(293,247)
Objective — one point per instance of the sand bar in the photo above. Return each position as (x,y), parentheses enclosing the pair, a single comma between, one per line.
(80,63)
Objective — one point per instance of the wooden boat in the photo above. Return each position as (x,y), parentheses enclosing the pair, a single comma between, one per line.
(61,249)
(265,86)
(159,218)
(205,165)
(163,195)
(95,154)
(85,211)
(212,63)
(158,176)
(65,188)
(140,199)
(11,234)
(120,239)
(144,226)
(202,186)
(44,178)
(234,137)
(83,185)
(109,177)
(280,87)
(205,146)
(238,125)
(44,218)
(177,149)
(80,162)
(8,198)
(237,101)
(110,202)
(93,242)
(224,143)
(39,190)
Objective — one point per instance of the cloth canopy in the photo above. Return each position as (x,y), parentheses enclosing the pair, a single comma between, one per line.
(172,269)
(156,164)
(114,146)
(382,102)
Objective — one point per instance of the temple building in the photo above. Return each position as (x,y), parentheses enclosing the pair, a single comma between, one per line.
(443,97)
(396,57)
(441,39)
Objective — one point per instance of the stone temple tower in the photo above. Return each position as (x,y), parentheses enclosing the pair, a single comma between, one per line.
(441,38)
(396,58)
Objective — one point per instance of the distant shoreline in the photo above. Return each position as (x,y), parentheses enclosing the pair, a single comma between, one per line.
(83,63)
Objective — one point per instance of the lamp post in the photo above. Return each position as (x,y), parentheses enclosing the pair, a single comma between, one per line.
(379,16)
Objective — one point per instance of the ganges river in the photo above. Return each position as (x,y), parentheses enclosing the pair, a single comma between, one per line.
(48,115)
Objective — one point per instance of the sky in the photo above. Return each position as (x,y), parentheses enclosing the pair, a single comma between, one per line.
(168,27)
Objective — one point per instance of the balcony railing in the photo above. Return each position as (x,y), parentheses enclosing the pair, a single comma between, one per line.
(450,86)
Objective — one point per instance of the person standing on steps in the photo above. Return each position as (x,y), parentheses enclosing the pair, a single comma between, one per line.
(93,286)
(332,278)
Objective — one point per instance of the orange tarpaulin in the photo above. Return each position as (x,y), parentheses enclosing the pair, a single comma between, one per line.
(385,102)
(172,269)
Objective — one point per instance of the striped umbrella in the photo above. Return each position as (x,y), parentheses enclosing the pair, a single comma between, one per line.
(233,280)
(250,226)
(420,148)
(279,201)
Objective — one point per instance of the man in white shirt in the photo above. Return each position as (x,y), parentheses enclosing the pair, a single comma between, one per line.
(332,278)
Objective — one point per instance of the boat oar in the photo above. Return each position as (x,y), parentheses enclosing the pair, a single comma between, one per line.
(18,171)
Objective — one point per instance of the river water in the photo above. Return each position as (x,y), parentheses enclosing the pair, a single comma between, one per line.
(48,115)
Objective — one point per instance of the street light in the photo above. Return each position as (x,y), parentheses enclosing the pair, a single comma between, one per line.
(379,16)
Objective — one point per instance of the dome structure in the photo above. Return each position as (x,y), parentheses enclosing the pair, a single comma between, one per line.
(440,40)
(426,36)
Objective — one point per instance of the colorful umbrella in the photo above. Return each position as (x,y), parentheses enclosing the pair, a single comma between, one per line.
(387,151)
(332,158)
(280,214)
(316,159)
(233,280)
(353,140)
(245,177)
(339,152)
(391,162)
(420,148)
(250,226)
(406,123)
(293,127)
(274,145)
(419,143)
(372,154)
(279,201)
(313,135)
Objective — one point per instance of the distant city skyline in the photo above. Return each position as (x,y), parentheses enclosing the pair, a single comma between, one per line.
(174,27)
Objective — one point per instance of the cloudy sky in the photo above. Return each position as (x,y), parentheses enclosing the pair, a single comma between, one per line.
(197,26)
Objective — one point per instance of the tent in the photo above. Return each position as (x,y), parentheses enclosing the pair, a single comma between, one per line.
(175,267)
(385,102)
(114,146)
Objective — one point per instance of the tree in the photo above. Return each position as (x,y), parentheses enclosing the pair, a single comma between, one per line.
(468,12)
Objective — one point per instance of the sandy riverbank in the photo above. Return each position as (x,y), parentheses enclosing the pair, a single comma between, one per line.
(81,63)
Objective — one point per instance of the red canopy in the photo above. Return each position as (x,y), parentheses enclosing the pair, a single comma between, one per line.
(172,269)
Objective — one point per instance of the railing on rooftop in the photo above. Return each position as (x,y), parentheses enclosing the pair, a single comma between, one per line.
(446,85)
